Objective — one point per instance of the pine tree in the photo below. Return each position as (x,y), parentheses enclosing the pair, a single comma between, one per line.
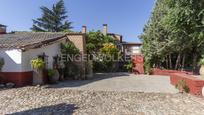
(52,20)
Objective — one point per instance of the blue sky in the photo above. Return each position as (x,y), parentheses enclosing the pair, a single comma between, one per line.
(125,17)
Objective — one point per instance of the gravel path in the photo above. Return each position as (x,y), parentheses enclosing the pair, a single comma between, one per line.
(122,82)
(57,101)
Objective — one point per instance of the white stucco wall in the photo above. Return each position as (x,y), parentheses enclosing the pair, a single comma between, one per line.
(50,51)
(136,50)
(12,59)
(19,61)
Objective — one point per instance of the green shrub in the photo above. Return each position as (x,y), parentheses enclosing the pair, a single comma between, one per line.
(69,48)
(37,63)
(128,66)
(71,70)
(181,85)
(1,63)
(51,72)
(186,88)
(99,66)
(201,62)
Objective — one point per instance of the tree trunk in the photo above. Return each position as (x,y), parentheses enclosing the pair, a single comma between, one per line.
(195,56)
(167,63)
(170,62)
(178,61)
(183,62)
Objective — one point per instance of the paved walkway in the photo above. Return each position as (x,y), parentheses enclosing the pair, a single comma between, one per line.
(122,82)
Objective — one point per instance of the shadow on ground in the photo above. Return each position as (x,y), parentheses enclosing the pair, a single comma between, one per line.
(60,109)
(97,77)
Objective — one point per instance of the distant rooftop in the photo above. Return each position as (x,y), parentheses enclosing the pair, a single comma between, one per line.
(131,43)
(2,25)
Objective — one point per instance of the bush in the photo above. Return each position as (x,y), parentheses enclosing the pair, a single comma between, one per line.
(107,58)
(128,66)
(71,70)
(69,48)
(181,85)
(37,63)
(1,63)
(51,72)
(99,66)
(201,62)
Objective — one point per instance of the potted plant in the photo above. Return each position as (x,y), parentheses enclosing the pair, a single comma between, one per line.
(53,75)
(201,63)
(38,65)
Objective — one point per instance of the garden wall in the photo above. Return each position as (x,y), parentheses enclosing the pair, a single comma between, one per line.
(18,78)
(156,71)
(194,83)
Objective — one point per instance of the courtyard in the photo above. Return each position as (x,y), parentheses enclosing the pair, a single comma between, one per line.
(120,93)
(121,82)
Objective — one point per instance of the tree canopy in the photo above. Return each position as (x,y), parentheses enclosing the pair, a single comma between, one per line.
(174,34)
(95,41)
(52,20)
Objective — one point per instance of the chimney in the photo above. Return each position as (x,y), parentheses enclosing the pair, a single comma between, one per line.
(105,29)
(2,29)
(83,29)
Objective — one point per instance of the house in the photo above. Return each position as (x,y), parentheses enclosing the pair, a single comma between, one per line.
(127,48)
(17,49)
(2,29)
(131,48)
(118,38)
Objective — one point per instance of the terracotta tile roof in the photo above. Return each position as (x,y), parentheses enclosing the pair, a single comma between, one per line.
(23,39)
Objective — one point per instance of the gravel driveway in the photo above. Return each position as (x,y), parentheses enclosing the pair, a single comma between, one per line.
(62,100)
(43,101)
(122,82)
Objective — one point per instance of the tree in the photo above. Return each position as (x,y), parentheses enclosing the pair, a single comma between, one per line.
(70,49)
(185,22)
(95,41)
(174,34)
(154,38)
(95,47)
(52,20)
(108,57)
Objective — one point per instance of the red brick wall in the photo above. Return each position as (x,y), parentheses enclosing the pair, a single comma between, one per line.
(138,63)
(19,78)
(195,85)
(156,71)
